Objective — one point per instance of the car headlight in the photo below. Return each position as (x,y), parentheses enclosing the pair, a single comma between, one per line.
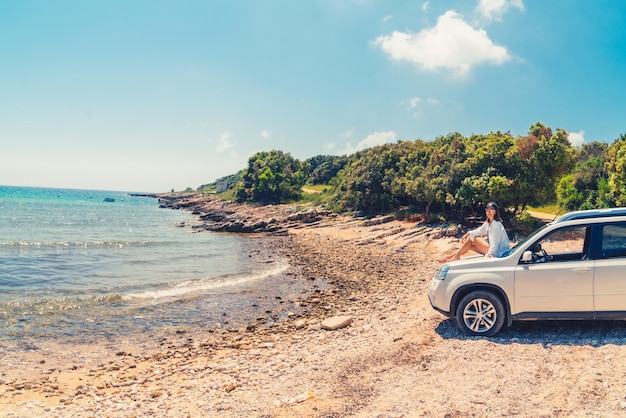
(442,272)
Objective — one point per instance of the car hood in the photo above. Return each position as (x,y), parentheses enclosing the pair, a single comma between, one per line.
(478,261)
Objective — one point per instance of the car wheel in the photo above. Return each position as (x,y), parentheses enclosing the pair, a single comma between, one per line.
(480,313)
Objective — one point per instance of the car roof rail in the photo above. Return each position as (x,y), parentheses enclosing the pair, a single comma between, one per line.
(592,213)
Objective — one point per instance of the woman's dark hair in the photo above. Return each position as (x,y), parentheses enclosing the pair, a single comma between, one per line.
(492,205)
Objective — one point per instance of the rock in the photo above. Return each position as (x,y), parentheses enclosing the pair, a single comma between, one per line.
(219,215)
(299,324)
(378,220)
(336,322)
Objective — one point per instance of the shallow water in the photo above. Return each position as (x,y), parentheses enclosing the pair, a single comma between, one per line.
(74,267)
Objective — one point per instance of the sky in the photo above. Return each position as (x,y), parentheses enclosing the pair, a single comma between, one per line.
(154,95)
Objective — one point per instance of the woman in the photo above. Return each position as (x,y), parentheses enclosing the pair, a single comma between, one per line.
(497,243)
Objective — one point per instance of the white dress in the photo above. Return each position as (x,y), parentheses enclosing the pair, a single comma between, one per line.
(498,239)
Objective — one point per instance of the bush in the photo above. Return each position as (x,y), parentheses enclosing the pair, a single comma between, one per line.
(524,223)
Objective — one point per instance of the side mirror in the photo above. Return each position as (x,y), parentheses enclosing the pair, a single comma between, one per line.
(527,257)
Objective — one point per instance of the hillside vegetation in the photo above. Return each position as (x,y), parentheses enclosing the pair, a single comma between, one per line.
(451,176)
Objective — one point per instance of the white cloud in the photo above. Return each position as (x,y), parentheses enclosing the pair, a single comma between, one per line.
(387,18)
(346,134)
(425,5)
(332,146)
(225,142)
(416,101)
(415,105)
(495,9)
(576,138)
(372,140)
(266,134)
(452,44)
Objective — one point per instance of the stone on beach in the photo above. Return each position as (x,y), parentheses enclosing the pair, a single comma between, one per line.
(336,322)
(299,324)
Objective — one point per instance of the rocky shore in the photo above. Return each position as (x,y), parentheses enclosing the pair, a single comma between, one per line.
(366,343)
(217,215)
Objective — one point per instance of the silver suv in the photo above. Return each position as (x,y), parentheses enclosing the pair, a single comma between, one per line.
(571,268)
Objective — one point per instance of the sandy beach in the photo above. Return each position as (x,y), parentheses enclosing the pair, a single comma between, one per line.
(394,357)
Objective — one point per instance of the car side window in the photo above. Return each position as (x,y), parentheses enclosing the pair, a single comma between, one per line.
(614,240)
(564,244)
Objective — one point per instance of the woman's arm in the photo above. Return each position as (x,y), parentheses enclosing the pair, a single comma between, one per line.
(481,231)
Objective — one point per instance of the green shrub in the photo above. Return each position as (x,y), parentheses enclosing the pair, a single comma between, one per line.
(524,223)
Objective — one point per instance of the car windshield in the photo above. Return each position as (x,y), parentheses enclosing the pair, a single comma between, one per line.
(529,238)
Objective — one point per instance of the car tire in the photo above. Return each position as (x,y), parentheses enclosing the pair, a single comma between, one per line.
(480,313)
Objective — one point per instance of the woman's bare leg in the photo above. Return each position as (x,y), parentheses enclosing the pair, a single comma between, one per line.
(480,245)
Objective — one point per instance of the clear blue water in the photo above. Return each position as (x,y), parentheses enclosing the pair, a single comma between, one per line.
(76,267)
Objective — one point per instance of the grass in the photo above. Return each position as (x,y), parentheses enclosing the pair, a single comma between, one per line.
(314,188)
(228,194)
(552,209)
(315,194)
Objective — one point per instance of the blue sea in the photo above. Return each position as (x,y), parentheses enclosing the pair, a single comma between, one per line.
(84,265)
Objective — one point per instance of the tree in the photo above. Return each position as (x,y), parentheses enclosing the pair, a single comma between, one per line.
(616,169)
(271,177)
(568,195)
(488,171)
(588,181)
(322,168)
(408,185)
(443,173)
(367,180)
(542,159)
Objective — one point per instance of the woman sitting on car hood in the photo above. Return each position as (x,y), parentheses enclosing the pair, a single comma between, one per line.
(496,244)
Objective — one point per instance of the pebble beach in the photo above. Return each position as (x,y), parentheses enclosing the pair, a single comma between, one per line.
(362,341)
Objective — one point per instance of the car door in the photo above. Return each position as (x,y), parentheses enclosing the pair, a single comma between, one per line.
(560,277)
(610,280)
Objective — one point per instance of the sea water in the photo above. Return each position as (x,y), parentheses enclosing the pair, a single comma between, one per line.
(79,265)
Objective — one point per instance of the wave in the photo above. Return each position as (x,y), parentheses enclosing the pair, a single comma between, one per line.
(80,244)
(47,306)
(203,285)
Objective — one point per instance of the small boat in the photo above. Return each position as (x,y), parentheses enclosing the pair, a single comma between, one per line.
(108,199)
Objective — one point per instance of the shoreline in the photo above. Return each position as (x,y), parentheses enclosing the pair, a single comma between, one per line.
(396,358)
(36,390)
